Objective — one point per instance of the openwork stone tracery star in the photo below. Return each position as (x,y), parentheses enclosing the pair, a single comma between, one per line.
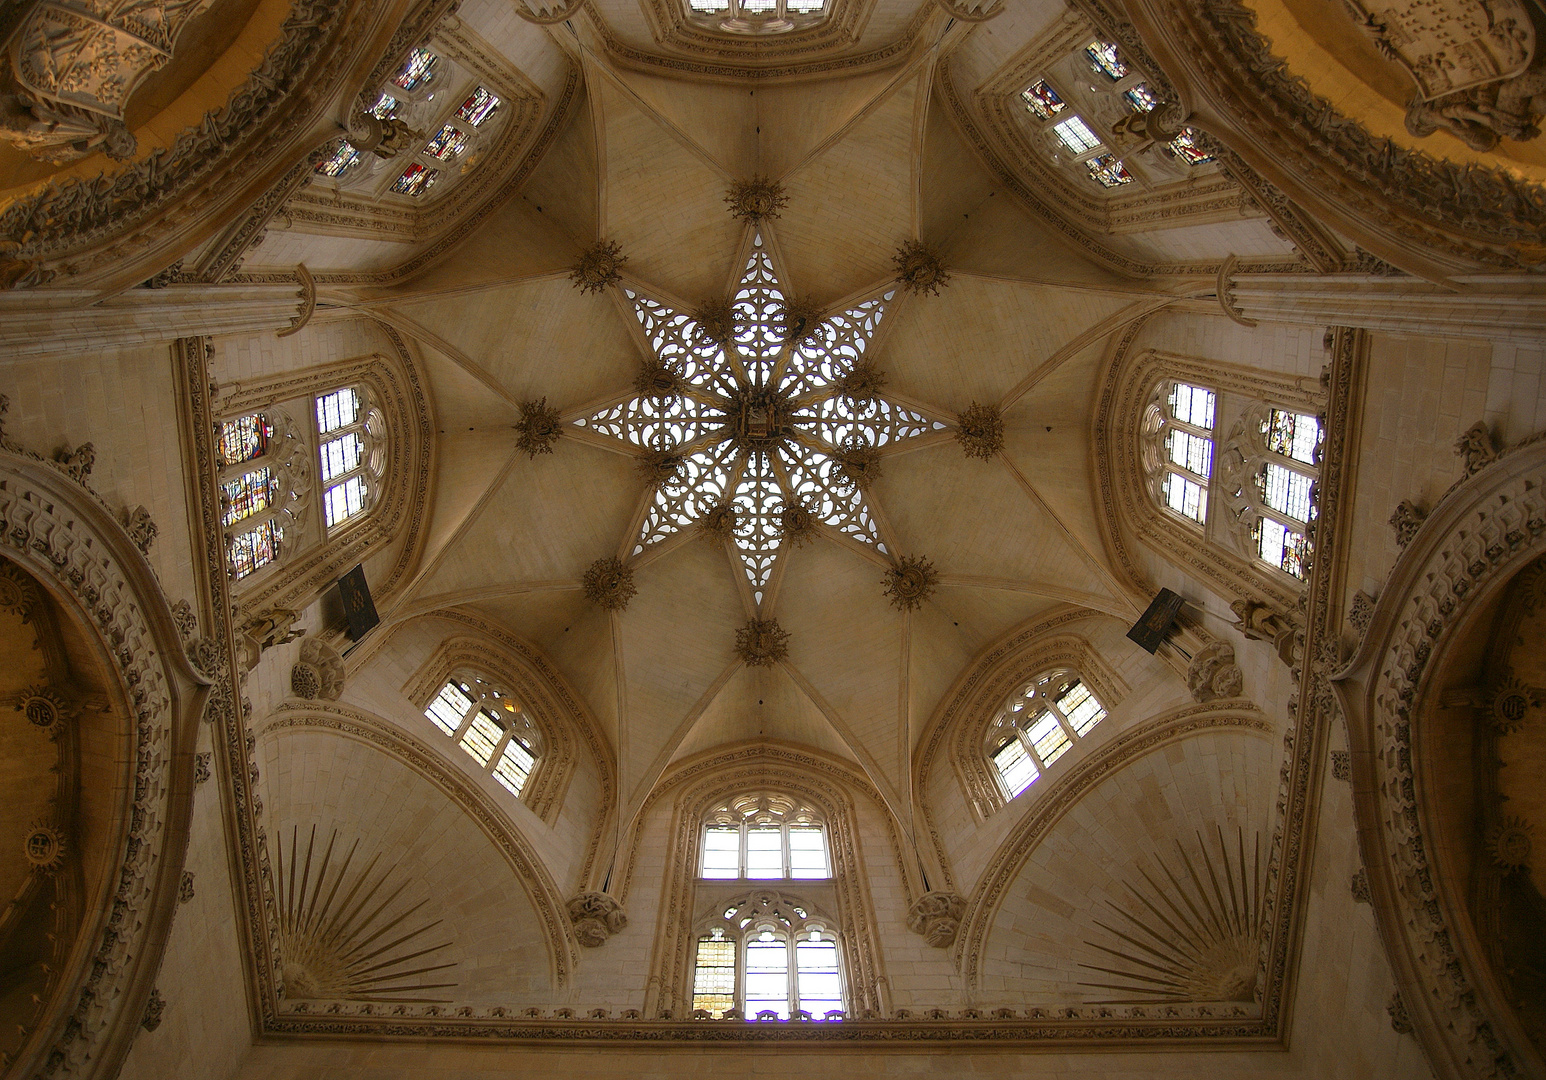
(760,418)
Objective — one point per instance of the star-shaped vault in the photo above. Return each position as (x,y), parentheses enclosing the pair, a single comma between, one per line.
(759,419)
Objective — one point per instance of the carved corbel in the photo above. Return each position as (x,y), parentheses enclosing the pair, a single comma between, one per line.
(1225,290)
(308,298)
(936,916)
(1477,447)
(596,917)
(319,673)
(1213,673)
(1406,520)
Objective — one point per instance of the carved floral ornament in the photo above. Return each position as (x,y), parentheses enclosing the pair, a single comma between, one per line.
(1482,533)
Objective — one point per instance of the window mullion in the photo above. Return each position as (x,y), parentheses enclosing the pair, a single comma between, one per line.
(1030,749)
(791,974)
(499,749)
(743,849)
(461,729)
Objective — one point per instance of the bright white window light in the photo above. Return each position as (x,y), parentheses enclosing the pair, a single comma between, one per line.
(1076,135)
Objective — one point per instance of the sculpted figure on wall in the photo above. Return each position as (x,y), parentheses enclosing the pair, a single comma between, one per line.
(70,70)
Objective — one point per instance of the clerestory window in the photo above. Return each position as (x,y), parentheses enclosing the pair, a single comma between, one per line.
(764,837)
(351,438)
(1269,470)
(1040,723)
(770,957)
(1179,431)
(756,16)
(489,726)
(263,484)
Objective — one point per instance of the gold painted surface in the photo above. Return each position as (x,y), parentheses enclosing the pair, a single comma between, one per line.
(1327,49)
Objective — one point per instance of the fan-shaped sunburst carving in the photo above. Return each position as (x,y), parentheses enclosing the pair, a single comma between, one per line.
(338,935)
(1194,937)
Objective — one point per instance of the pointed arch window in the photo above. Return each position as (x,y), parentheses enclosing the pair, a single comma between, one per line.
(1040,723)
(1178,438)
(771,957)
(263,482)
(764,837)
(351,445)
(1269,472)
(489,726)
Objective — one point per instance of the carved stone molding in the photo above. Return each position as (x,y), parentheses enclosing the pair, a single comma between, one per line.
(61,534)
(1482,532)
(596,917)
(936,916)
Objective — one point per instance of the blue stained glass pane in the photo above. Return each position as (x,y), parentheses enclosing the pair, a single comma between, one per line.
(419,69)
(339,161)
(1042,100)
(1105,59)
(448,142)
(416,180)
(478,107)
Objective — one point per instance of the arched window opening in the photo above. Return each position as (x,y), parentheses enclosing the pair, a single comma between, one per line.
(756,16)
(1093,127)
(263,484)
(488,724)
(771,957)
(1038,725)
(1178,448)
(764,837)
(1269,469)
(351,437)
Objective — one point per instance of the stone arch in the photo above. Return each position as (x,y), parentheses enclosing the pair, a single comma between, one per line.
(67,544)
(1486,529)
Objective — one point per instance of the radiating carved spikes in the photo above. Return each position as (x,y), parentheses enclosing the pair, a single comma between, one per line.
(911,582)
(717,322)
(1509,842)
(609,584)
(797,524)
(762,643)
(1508,703)
(656,467)
(980,431)
(797,318)
(658,380)
(42,707)
(599,267)
(756,199)
(538,429)
(719,523)
(44,847)
(918,269)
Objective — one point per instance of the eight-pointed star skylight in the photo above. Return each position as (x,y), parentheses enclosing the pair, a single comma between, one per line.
(760,421)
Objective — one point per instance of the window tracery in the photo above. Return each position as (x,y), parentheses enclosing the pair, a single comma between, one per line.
(769,956)
(760,421)
(764,836)
(489,726)
(1178,447)
(756,16)
(264,484)
(1088,124)
(1038,725)
(1268,474)
(352,450)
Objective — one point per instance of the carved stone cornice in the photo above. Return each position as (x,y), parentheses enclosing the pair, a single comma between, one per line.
(117,229)
(1485,529)
(57,531)
(1429,216)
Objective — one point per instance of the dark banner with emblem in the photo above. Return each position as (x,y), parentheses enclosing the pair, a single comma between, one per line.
(1150,630)
(359,608)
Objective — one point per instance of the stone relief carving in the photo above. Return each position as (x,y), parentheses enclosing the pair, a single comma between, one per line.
(141,529)
(1213,673)
(318,673)
(1258,622)
(257,633)
(1341,765)
(71,68)
(936,916)
(596,917)
(1406,519)
(1477,447)
(202,767)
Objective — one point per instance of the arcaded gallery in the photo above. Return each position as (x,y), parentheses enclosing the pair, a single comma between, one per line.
(789,539)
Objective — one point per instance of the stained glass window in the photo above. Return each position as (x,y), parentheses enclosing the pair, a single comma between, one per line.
(339,161)
(478,107)
(1185,147)
(248,494)
(1042,100)
(341,455)
(482,736)
(243,438)
(1294,435)
(1281,546)
(255,548)
(1108,171)
(1038,725)
(450,706)
(419,69)
(710,7)
(448,142)
(713,986)
(1140,98)
(384,107)
(1105,59)
(767,975)
(415,180)
(1076,135)
(818,984)
(489,726)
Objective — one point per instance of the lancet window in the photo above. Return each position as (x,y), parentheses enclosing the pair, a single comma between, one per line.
(1269,469)
(1040,723)
(264,481)
(764,837)
(351,443)
(490,727)
(770,957)
(1178,430)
